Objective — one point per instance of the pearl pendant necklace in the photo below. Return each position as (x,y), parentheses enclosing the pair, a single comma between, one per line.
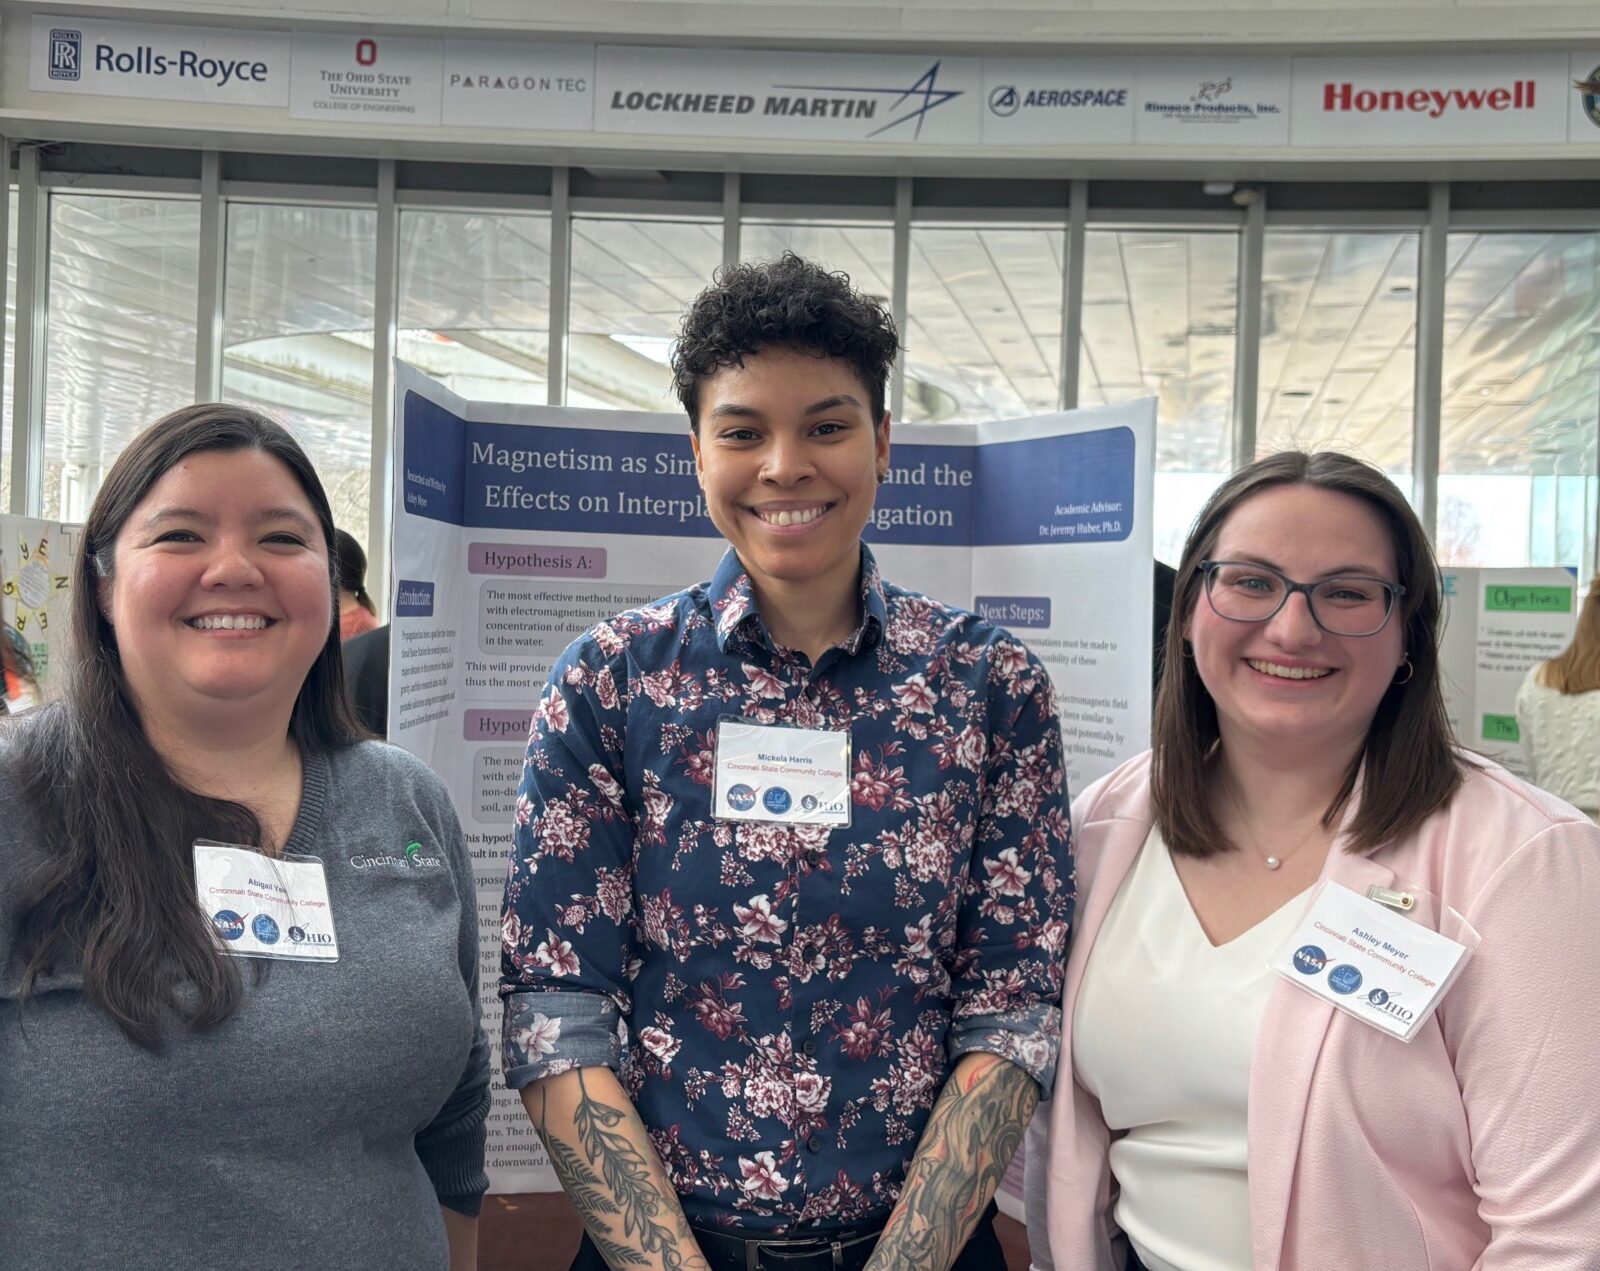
(1270,860)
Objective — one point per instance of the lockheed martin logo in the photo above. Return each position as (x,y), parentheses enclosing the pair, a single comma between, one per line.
(914,103)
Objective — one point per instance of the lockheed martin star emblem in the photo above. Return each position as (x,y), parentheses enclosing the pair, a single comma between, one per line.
(925,95)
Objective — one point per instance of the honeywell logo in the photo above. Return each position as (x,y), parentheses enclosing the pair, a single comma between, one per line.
(1432,102)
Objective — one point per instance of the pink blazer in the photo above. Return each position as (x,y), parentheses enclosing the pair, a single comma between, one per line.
(1475,1145)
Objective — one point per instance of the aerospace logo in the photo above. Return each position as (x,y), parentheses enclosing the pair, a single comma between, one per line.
(229,925)
(741,798)
(1005,101)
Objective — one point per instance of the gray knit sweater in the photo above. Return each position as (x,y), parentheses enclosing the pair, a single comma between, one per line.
(322,1125)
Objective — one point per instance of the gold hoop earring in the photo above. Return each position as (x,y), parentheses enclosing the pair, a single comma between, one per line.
(1411,672)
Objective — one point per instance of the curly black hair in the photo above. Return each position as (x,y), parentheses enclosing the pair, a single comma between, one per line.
(789,303)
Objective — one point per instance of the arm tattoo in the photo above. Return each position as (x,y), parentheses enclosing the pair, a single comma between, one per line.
(611,1179)
(974,1131)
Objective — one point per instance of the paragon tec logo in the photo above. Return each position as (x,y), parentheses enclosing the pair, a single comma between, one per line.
(899,106)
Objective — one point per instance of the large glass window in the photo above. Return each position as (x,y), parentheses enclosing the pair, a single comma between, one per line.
(631,280)
(475,302)
(865,252)
(1338,346)
(298,335)
(1159,319)
(1519,416)
(983,322)
(120,347)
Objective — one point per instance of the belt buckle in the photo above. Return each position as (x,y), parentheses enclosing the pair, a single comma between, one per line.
(752,1254)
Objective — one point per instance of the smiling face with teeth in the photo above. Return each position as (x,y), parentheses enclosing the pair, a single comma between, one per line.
(788,454)
(1286,686)
(220,593)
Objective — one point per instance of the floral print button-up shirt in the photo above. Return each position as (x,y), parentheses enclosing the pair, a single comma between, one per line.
(784,1002)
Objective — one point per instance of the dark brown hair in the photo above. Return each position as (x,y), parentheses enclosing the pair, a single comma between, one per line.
(788,303)
(1412,767)
(115,893)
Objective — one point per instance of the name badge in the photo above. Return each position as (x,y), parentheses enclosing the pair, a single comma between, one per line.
(265,906)
(795,776)
(1371,960)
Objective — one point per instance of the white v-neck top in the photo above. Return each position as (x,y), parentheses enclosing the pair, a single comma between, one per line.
(1163,1031)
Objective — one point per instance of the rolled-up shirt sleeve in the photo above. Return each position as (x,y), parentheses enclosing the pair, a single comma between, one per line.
(1019,891)
(567,918)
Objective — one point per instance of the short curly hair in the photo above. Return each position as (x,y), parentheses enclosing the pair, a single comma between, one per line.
(789,303)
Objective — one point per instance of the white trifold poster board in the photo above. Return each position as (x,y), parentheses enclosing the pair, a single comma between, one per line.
(517,528)
(1500,623)
(36,559)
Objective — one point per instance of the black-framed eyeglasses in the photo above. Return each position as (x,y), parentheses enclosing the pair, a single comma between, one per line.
(1345,605)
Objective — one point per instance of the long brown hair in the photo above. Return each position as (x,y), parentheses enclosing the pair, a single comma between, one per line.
(114,895)
(1411,764)
(1577,670)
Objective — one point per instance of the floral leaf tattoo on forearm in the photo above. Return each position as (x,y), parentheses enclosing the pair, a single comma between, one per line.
(611,1179)
(971,1136)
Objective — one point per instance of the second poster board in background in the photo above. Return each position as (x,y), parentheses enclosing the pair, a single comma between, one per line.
(1499,624)
(36,606)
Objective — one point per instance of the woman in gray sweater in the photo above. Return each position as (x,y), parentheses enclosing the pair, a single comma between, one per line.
(238,944)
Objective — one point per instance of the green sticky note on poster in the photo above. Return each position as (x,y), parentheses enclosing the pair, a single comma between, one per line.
(1501,728)
(1529,600)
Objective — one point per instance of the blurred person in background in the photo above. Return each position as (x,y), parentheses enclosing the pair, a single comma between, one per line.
(1558,715)
(357,613)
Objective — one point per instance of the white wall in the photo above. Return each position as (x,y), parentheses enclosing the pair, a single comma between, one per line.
(1035,24)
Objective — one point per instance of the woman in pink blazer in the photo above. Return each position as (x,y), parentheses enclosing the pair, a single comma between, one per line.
(1212,1116)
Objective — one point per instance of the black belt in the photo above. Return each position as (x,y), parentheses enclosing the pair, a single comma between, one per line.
(837,1251)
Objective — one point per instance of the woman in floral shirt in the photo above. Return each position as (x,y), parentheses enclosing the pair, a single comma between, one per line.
(787,1042)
